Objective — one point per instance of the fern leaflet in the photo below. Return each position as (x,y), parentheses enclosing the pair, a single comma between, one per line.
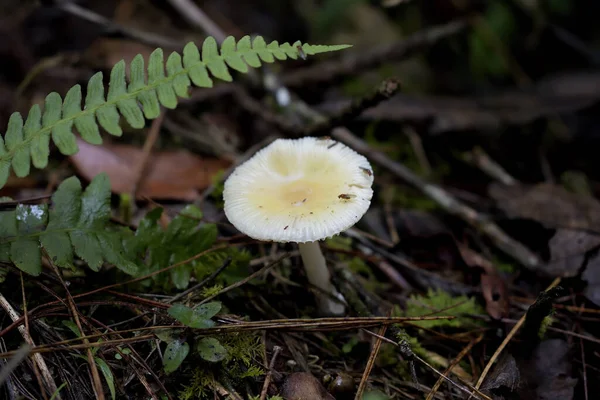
(76,224)
(27,141)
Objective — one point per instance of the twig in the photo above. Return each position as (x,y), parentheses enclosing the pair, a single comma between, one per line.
(453,363)
(370,363)
(248,278)
(417,145)
(202,283)
(144,37)
(265,388)
(387,89)
(35,365)
(75,315)
(359,61)
(584,372)
(195,16)
(38,360)
(507,340)
(142,166)
(404,348)
(482,160)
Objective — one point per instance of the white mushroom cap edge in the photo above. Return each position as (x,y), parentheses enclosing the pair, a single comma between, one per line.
(299,190)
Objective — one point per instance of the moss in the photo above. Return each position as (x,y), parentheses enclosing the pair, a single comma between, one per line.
(546,322)
(440,303)
(243,351)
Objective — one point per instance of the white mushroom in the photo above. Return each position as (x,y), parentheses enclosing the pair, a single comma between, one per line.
(301,190)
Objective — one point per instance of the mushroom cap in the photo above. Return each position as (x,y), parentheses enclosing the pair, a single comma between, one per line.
(299,190)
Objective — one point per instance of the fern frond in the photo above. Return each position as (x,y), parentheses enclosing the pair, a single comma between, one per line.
(76,224)
(28,141)
(181,240)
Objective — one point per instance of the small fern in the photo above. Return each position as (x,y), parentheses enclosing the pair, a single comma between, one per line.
(184,238)
(28,141)
(76,224)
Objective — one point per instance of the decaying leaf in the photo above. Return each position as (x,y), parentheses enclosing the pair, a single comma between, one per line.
(576,218)
(568,250)
(170,174)
(548,372)
(493,286)
(495,294)
(505,374)
(546,375)
(550,205)
(592,276)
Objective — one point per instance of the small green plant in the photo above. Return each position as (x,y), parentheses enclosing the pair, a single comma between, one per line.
(440,303)
(77,223)
(209,348)
(181,240)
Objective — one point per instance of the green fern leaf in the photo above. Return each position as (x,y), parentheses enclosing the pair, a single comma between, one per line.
(183,238)
(27,141)
(77,223)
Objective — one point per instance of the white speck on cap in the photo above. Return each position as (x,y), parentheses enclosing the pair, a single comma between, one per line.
(299,190)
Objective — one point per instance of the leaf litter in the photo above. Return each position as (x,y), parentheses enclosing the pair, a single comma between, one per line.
(157,333)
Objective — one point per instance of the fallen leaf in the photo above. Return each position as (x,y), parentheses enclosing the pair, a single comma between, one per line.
(493,286)
(568,250)
(548,372)
(545,375)
(495,294)
(170,174)
(504,375)
(591,275)
(550,205)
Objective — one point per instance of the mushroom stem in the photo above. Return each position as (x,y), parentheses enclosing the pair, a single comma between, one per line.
(319,276)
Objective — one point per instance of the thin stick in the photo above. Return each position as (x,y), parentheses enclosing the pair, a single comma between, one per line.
(370,362)
(507,340)
(195,16)
(75,315)
(142,166)
(248,278)
(144,37)
(467,388)
(38,360)
(484,162)
(200,284)
(453,363)
(36,370)
(265,388)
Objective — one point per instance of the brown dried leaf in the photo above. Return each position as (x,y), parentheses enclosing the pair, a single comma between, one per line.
(548,372)
(550,205)
(493,286)
(169,175)
(495,294)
